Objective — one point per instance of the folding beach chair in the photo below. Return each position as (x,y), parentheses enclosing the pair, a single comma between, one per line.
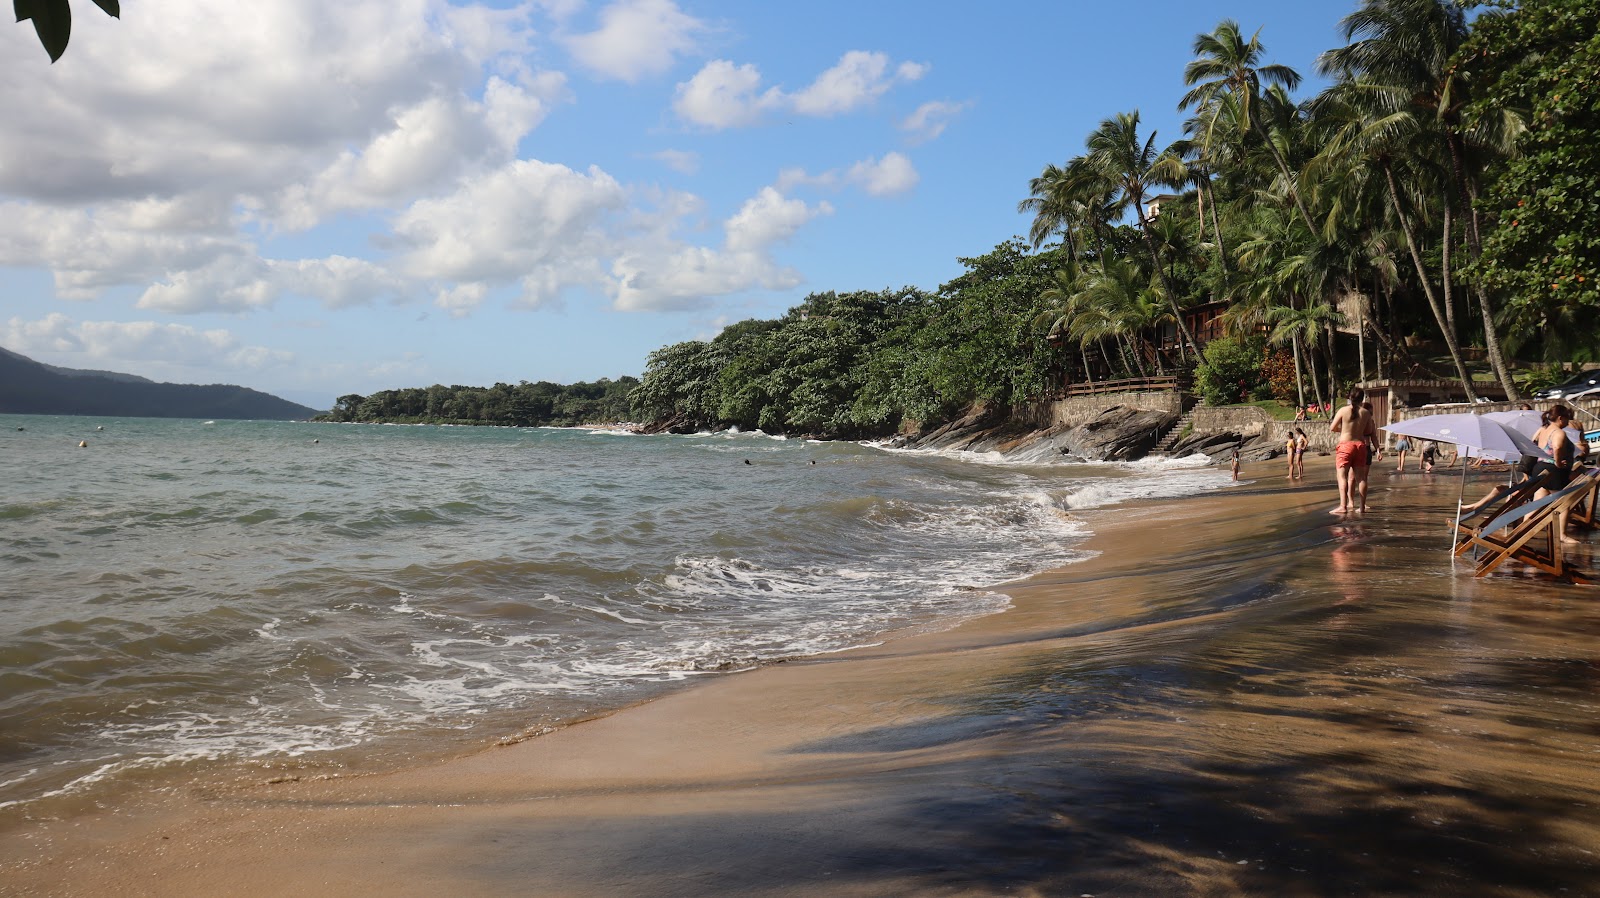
(1584,511)
(1531,533)
(1509,497)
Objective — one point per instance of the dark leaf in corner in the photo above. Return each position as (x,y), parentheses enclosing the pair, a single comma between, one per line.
(112,8)
(52,20)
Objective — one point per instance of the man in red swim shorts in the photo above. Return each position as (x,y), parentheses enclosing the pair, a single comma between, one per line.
(1351,457)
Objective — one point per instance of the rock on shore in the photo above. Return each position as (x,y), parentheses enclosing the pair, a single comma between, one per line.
(1119,433)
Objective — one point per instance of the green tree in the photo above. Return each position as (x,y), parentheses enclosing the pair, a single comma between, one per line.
(1225,64)
(1541,248)
(1404,56)
(1230,371)
(1126,168)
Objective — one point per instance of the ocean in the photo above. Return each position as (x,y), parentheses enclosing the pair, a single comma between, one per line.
(190,599)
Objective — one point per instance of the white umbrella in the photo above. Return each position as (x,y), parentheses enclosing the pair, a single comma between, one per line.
(1526,422)
(1472,431)
(1479,432)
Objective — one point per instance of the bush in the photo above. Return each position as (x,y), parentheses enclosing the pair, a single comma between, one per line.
(1277,370)
(1231,371)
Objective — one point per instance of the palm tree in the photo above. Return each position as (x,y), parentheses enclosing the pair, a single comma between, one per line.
(1261,294)
(1373,135)
(1294,325)
(1226,65)
(1124,168)
(1405,52)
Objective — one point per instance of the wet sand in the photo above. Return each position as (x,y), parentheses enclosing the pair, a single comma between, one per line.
(1241,695)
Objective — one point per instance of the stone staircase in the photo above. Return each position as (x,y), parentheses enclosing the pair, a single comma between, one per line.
(1170,438)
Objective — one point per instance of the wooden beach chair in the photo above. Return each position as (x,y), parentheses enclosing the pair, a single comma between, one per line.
(1510,496)
(1584,511)
(1531,533)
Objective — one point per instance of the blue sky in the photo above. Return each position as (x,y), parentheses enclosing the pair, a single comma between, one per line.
(315,199)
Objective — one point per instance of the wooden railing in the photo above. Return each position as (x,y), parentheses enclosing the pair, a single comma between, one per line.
(1169,382)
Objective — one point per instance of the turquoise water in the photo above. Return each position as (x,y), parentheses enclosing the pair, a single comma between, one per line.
(185,596)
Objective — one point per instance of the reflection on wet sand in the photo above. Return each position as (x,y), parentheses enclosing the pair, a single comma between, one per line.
(1273,703)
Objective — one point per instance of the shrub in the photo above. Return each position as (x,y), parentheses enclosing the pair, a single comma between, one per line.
(1231,370)
(1277,372)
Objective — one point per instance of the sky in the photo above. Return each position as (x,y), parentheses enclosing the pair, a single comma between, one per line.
(315,199)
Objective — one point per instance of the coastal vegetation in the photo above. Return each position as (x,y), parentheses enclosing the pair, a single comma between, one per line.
(522,405)
(1426,214)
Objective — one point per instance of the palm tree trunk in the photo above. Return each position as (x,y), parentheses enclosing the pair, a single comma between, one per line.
(1444,264)
(1333,377)
(1299,384)
(1216,228)
(1491,334)
(1288,179)
(1311,372)
(1128,349)
(1166,282)
(1422,275)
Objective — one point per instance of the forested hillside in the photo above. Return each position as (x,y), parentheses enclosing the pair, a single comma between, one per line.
(523,405)
(1430,214)
(30,388)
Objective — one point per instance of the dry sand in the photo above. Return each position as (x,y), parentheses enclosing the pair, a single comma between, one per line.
(1241,695)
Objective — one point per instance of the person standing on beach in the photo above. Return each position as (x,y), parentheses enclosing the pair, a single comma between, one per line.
(1401,447)
(1355,428)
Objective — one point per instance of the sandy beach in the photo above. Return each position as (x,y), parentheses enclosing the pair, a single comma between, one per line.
(1240,695)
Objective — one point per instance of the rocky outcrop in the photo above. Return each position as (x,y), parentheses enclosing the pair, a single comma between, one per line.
(1119,433)
(676,424)
(1219,446)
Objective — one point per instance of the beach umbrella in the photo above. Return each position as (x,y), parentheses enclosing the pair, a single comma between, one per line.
(1479,432)
(1527,422)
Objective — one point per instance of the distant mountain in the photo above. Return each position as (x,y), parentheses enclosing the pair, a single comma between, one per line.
(28,387)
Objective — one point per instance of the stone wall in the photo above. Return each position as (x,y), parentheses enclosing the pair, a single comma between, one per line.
(1590,405)
(1075,411)
(1246,421)
(1318,437)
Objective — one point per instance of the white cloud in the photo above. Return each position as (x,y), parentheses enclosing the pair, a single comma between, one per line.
(636,38)
(887,176)
(688,276)
(154,349)
(681,161)
(856,80)
(461,299)
(930,119)
(768,218)
(725,95)
(890,175)
(526,217)
(176,150)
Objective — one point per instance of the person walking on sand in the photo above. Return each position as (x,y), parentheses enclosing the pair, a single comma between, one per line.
(1355,428)
(1401,447)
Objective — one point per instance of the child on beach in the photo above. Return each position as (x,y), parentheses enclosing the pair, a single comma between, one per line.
(1430,454)
(1402,446)
(1236,463)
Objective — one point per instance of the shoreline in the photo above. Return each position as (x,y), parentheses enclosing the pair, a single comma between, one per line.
(1126,720)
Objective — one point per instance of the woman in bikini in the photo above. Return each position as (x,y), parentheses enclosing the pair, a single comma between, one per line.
(1559,468)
